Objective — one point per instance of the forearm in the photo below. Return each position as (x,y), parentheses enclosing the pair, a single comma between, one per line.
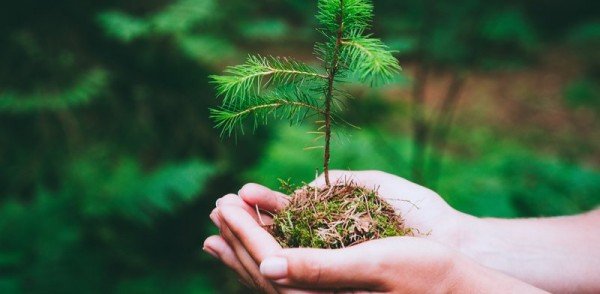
(470,277)
(557,254)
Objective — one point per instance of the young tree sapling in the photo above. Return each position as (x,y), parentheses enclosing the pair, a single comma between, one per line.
(338,214)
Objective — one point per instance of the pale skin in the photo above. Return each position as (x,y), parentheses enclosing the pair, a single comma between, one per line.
(455,252)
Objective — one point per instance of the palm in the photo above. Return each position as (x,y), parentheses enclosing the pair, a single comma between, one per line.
(422,209)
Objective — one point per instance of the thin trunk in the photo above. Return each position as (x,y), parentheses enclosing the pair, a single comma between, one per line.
(419,122)
(420,129)
(70,128)
(332,72)
(443,125)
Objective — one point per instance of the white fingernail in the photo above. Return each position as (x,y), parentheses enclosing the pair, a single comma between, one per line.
(274,268)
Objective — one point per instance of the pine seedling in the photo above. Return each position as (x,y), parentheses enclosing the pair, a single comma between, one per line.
(283,88)
(333,216)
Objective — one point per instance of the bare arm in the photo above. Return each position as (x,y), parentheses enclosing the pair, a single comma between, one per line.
(560,254)
(385,266)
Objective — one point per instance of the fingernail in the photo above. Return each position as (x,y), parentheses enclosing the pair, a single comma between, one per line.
(274,268)
(217,203)
(211,252)
(215,220)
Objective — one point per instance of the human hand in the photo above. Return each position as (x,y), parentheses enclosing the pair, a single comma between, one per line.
(230,246)
(422,209)
(403,195)
(392,265)
(556,254)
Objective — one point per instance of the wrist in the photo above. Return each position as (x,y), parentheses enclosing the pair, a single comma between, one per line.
(468,235)
(476,238)
(488,243)
(468,276)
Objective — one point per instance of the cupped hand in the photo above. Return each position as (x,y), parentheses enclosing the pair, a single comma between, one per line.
(422,209)
(393,265)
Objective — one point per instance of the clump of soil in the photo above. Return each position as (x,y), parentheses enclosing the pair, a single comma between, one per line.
(334,217)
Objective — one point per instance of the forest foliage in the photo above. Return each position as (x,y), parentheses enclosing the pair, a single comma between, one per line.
(110,164)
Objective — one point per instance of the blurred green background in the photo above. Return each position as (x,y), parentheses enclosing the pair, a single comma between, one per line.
(109,164)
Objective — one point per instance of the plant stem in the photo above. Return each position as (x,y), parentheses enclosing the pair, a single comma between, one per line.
(332,72)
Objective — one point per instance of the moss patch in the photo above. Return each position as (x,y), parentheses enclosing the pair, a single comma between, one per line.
(335,217)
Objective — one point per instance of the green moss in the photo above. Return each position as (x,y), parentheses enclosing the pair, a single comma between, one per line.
(335,217)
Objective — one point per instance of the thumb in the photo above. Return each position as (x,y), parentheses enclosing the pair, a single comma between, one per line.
(322,269)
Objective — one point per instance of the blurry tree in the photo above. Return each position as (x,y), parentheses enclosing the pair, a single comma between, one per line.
(192,25)
(584,90)
(456,37)
(506,180)
(90,236)
(108,157)
(109,162)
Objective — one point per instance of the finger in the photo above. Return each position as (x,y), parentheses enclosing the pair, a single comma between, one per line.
(247,261)
(214,217)
(218,247)
(288,290)
(265,198)
(232,199)
(291,290)
(367,179)
(253,237)
(251,265)
(335,176)
(254,278)
(376,180)
(357,267)
(236,215)
(263,219)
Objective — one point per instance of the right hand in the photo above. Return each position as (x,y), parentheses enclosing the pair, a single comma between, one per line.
(422,209)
